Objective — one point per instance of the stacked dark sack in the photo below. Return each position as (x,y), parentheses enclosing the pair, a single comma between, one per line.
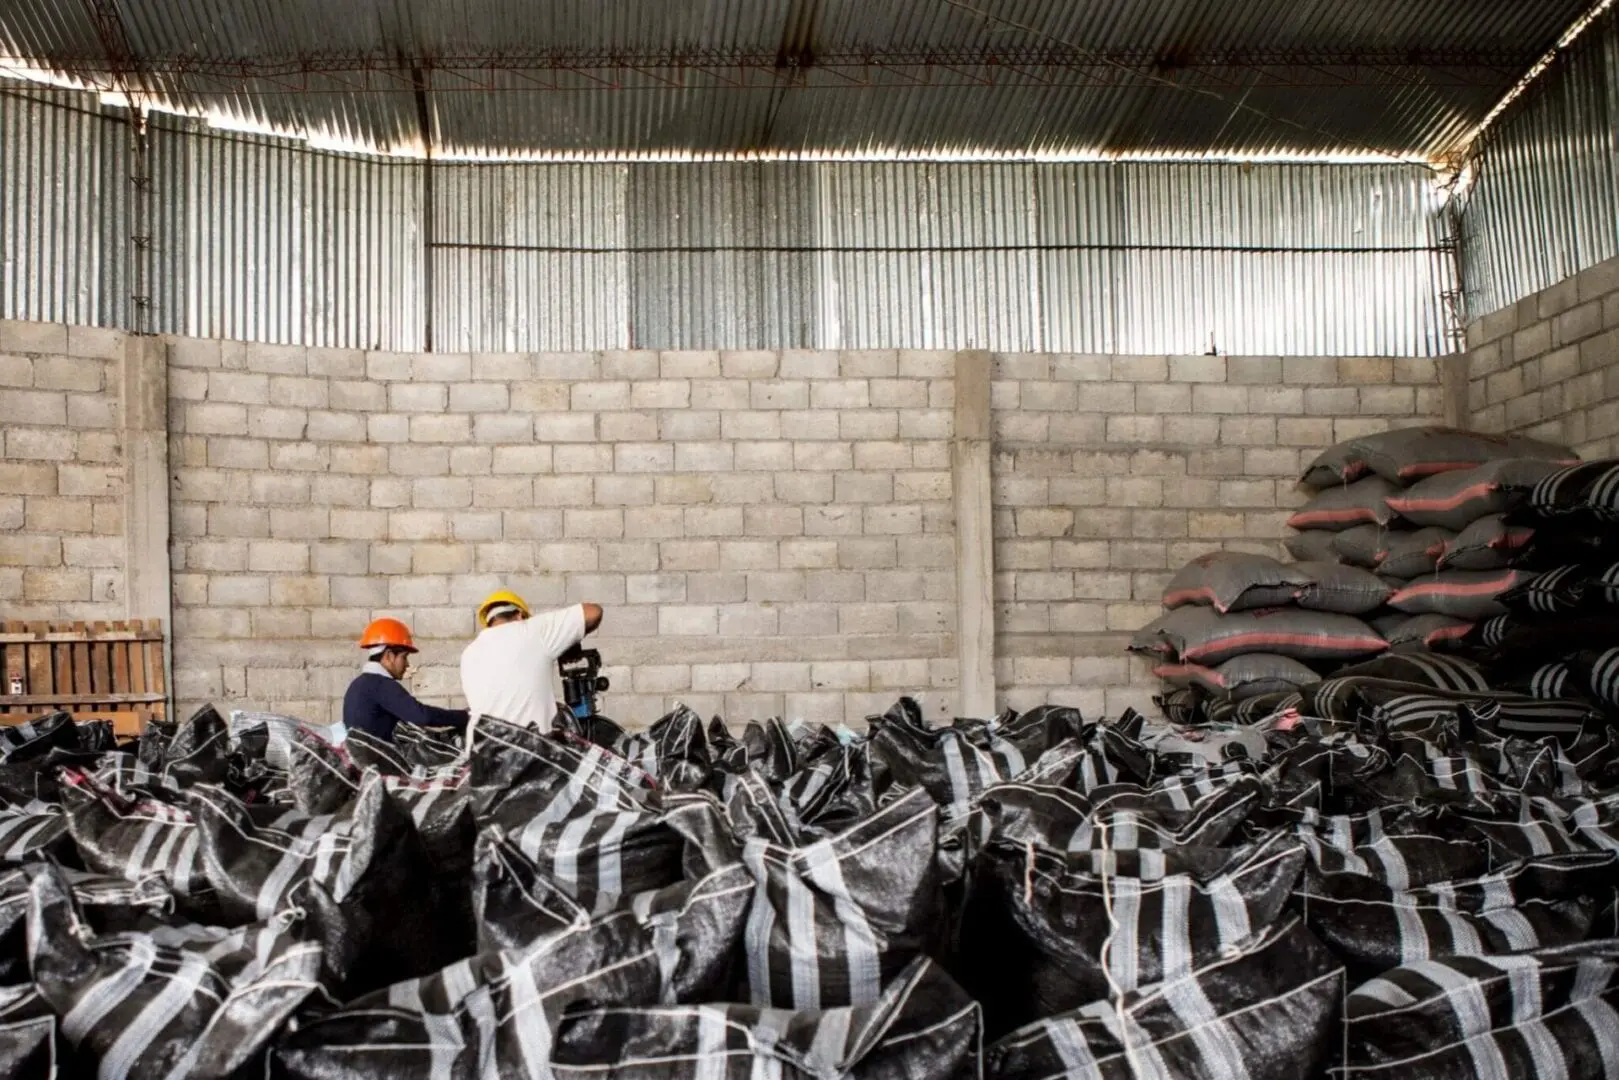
(1238,626)
(1426,509)
(1397,886)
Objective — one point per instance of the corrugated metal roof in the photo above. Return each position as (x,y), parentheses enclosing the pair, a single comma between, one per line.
(874,78)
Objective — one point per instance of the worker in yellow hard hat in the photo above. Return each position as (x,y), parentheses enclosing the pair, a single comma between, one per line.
(508,669)
(375,702)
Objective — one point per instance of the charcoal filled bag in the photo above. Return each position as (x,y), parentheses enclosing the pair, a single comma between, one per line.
(1246,676)
(1413,554)
(1152,640)
(1265,1008)
(1548,681)
(37,737)
(833,920)
(1439,672)
(363,875)
(132,838)
(1454,500)
(425,747)
(1040,912)
(491,1014)
(321,778)
(1234,581)
(1347,590)
(674,751)
(1203,636)
(1598,675)
(105,903)
(1434,633)
(35,829)
(1589,491)
(956,763)
(694,926)
(1560,591)
(521,775)
(766,746)
(921,1025)
(1364,502)
(833,790)
(199,752)
(369,751)
(28,1033)
(1461,594)
(1541,1014)
(1489,543)
(1363,545)
(197,1001)
(1312,545)
(1520,638)
(1373,926)
(1407,455)
(1423,710)
(1401,847)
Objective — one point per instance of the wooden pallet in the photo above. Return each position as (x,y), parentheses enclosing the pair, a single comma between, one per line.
(96,671)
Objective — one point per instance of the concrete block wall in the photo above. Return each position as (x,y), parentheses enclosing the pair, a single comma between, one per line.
(61,473)
(1548,365)
(771,533)
(1110,473)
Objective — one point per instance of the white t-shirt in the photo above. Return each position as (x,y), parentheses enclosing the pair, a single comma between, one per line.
(508,671)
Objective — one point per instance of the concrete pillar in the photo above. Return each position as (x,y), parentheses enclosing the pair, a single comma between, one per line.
(1453,393)
(975,553)
(145,398)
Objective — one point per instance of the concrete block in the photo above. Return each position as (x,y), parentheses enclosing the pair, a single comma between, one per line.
(693,620)
(85,374)
(18,371)
(840,675)
(577,458)
(1208,398)
(418,397)
(832,521)
(721,394)
(238,387)
(897,394)
(471,460)
(751,425)
(365,397)
(1254,370)
(748,555)
(300,591)
(1416,370)
(701,457)
(925,423)
(794,487)
(268,422)
(600,396)
(882,455)
(827,456)
(334,427)
(1276,400)
(573,366)
(1388,400)
(238,590)
(1365,370)
(773,521)
(773,586)
(89,481)
(479,397)
(921,364)
(449,428)
(1309,371)
(1158,398)
(40,408)
(871,425)
(1141,369)
(299,392)
(868,364)
(778,394)
(334,363)
(635,457)
(1560,297)
(1135,429)
(1248,431)
(300,456)
(712,521)
(921,486)
(288,489)
(1337,401)
(1532,341)
(593,524)
(1197,369)
(629,426)
(42,514)
(839,394)
(689,365)
(1050,397)
(1135,491)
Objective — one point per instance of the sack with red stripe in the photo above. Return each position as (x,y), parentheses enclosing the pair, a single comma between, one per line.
(1204,636)
(1461,594)
(1454,500)
(1487,544)
(1432,633)
(1234,581)
(1345,506)
(1407,455)
(1242,677)
(1312,545)
(1364,546)
(1347,590)
(1414,554)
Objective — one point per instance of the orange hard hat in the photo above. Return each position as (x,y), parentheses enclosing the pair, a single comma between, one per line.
(387,632)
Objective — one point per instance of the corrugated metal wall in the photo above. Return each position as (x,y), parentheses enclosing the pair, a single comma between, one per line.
(1544,204)
(262,240)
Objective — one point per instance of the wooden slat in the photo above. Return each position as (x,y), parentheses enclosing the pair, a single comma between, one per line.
(62,667)
(81,667)
(99,683)
(15,665)
(8,637)
(120,669)
(83,699)
(39,666)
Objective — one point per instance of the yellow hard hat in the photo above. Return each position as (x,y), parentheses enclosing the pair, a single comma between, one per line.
(498,599)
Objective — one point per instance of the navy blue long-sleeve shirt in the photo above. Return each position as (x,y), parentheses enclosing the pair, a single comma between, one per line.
(376,704)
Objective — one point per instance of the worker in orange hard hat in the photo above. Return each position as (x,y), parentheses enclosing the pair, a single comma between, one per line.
(508,669)
(375,702)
